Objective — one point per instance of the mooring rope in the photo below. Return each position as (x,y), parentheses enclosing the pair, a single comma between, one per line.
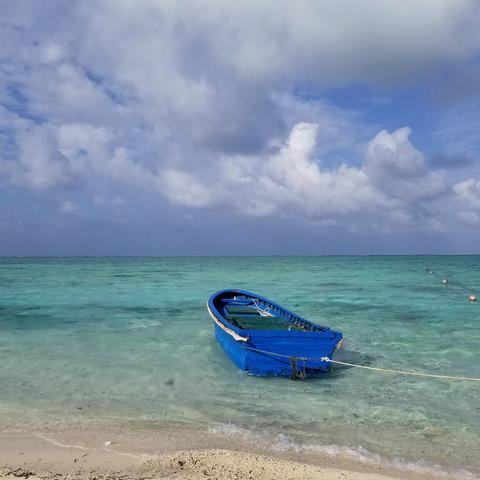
(449,281)
(376,369)
(401,372)
(264,312)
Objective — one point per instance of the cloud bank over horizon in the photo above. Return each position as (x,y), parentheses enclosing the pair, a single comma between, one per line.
(145,127)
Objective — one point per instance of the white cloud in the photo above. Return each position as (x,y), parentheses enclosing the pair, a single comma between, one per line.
(468,193)
(206,79)
(184,189)
(339,129)
(397,168)
(40,164)
(198,108)
(70,208)
(391,185)
(291,182)
(470,218)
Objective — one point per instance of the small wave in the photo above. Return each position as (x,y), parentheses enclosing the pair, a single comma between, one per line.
(280,442)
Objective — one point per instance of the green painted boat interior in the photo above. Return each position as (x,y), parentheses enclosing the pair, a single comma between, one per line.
(258,322)
(247,317)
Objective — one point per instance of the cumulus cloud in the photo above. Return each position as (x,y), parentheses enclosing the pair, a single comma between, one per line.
(393,182)
(287,180)
(40,164)
(291,181)
(468,193)
(208,79)
(225,107)
(183,188)
(397,168)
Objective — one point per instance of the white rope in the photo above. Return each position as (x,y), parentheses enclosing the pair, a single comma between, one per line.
(401,372)
(264,312)
(376,369)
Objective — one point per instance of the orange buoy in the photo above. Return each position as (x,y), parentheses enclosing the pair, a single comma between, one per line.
(472,298)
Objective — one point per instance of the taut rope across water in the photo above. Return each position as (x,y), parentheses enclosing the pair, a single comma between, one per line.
(377,369)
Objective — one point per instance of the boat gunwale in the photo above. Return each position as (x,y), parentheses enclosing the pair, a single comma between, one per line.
(267,333)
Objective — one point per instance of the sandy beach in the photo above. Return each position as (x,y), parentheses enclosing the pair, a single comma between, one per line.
(146,452)
(239,240)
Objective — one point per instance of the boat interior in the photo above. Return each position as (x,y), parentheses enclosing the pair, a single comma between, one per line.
(248,313)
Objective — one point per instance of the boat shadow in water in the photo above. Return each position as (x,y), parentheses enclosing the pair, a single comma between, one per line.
(347,356)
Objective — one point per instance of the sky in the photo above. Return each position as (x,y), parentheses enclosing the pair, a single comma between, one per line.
(271,127)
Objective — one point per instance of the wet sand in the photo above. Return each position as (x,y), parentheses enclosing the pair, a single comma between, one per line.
(144,451)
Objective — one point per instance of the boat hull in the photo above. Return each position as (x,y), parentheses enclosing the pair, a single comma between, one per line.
(269,352)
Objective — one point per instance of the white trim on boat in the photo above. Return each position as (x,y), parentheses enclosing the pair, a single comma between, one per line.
(236,336)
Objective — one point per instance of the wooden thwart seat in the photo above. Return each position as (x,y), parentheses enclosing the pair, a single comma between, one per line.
(258,322)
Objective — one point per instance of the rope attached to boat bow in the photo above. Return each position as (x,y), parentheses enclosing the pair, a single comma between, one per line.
(376,369)
(401,372)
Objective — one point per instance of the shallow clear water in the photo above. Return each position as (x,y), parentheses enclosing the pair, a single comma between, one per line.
(113,338)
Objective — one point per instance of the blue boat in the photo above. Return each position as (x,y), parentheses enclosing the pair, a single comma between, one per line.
(264,338)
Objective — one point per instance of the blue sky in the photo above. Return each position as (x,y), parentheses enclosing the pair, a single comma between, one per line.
(273,127)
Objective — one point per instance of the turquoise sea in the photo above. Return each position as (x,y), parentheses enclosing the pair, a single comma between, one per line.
(130,338)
